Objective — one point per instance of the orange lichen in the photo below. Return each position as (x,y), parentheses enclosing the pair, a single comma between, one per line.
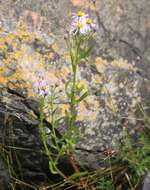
(2,80)
(78,2)
(81,107)
(84,3)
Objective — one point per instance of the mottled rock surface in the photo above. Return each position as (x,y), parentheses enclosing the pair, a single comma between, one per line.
(146,183)
(4,175)
(19,128)
(116,75)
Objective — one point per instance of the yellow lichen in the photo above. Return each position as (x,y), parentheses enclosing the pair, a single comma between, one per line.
(9,38)
(27,63)
(18,54)
(121,63)
(117,63)
(100,64)
(98,79)
(14,45)
(49,55)
(22,32)
(3,46)
(55,47)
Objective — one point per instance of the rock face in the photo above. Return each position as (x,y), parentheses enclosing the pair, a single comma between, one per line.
(19,128)
(116,75)
(20,137)
(4,176)
(146,183)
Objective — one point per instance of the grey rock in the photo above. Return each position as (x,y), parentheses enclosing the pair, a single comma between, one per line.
(146,182)
(19,129)
(20,134)
(4,176)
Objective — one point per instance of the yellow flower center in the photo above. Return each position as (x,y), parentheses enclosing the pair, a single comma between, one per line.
(44,87)
(39,80)
(80,25)
(90,22)
(80,14)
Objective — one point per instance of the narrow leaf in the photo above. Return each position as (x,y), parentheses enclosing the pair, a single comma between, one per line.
(83,97)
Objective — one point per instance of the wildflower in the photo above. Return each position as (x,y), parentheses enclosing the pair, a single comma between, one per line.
(41,87)
(79,26)
(78,15)
(91,23)
(82,24)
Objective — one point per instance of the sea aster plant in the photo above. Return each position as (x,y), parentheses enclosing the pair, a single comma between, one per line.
(65,143)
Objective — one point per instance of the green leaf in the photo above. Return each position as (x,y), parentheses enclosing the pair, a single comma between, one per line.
(60,153)
(52,168)
(79,89)
(85,53)
(57,121)
(54,111)
(83,97)
(53,146)
(66,89)
(78,174)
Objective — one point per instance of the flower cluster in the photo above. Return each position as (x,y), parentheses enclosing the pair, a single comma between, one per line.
(41,87)
(82,24)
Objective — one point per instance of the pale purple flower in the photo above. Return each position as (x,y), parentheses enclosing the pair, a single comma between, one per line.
(41,87)
(82,24)
(91,24)
(79,15)
(79,26)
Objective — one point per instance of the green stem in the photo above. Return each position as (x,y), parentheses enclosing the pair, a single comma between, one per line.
(43,132)
(52,98)
(73,98)
(74,73)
